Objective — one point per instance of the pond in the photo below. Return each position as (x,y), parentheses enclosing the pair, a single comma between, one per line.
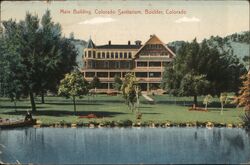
(125,145)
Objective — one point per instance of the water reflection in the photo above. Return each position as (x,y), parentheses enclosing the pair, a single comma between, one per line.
(120,145)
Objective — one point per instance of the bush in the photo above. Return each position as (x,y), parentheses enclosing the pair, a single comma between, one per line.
(127,123)
(95,123)
(246,119)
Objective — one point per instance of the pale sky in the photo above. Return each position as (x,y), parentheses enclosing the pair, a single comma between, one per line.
(201,18)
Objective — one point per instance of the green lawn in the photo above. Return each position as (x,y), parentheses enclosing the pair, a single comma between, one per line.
(112,108)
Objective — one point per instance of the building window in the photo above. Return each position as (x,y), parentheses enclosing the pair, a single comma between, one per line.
(117,65)
(155,64)
(90,64)
(94,56)
(116,55)
(89,74)
(89,54)
(142,64)
(125,55)
(154,74)
(112,55)
(102,74)
(85,54)
(103,54)
(129,55)
(113,74)
(98,55)
(141,74)
(93,64)
(106,64)
(120,54)
(128,65)
(107,55)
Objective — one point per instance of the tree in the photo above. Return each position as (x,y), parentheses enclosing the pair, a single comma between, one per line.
(117,83)
(44,56)
(10,85)
(73,85)
(95,83)
(201,62)
(71,36)
(207,100)
(193,85)
(57,56)
(223,101)
(244,94)
(246,60)
(130,91)
(243,99)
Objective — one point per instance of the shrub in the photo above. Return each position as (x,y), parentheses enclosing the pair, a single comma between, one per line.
(127,123)
(246,119)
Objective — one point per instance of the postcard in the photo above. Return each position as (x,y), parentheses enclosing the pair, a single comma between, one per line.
(124,82)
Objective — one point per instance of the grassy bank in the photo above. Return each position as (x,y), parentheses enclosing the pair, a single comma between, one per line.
(112,108)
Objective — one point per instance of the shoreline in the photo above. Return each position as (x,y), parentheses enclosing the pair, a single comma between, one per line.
(130,124)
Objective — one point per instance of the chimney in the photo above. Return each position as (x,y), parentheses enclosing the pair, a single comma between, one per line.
(138,42)
(128,42)
(109,42)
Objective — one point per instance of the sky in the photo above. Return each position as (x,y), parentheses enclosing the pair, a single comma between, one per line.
(123,20)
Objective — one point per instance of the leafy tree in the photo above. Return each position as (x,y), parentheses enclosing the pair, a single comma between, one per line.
(243,99)
(44,56)
(10,86)
(57,55)
(71,36)
(203,60)
(244,94)
(95,83)
(117,83)
(73,85)
(193,85)
(223,101)
(246,60)
(131,91)
(207,100)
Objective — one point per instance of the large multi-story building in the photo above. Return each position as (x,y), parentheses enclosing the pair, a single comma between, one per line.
(145,61)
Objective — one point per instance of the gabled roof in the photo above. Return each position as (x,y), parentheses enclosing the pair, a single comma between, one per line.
(155,40)
(118,46)
(90,44)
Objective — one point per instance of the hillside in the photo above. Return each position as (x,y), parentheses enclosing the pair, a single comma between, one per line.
(239,42)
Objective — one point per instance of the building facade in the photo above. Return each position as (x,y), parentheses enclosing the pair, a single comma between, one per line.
(145,61)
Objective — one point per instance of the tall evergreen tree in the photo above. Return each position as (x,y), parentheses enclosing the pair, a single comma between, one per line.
(44,56)
(218,67)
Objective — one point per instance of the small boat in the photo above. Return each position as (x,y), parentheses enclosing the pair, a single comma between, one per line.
(17,123)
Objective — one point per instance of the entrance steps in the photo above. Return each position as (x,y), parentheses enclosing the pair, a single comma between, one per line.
(149,99)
